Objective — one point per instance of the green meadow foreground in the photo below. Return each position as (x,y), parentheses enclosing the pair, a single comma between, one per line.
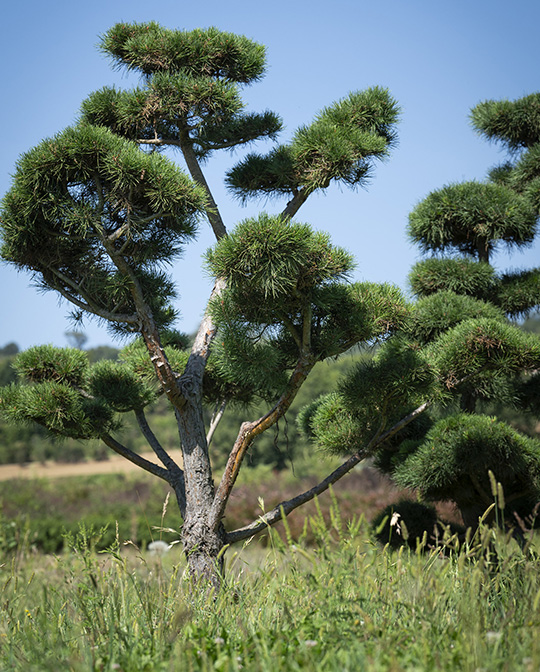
(340,602)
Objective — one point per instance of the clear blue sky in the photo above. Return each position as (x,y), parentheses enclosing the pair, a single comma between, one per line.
(438,60)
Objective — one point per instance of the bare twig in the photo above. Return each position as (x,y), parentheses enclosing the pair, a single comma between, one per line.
(216,419)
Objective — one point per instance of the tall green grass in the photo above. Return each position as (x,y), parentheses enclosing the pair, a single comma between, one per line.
(342,603)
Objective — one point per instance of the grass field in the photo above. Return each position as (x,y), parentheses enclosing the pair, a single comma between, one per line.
(341,603)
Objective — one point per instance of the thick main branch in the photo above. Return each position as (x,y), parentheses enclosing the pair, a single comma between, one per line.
(200,350)
(296,202)
(196,173)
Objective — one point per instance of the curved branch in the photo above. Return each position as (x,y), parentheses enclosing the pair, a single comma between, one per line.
(135,458)
(176,478)
(153,442)
(284,508)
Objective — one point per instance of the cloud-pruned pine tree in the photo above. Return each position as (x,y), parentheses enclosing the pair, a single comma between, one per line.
(97,213)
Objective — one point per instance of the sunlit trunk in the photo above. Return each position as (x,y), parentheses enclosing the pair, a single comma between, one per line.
(202,546)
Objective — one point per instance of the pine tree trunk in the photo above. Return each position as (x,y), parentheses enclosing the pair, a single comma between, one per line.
(202,546)
(203,549)
(468,401)
(483,251)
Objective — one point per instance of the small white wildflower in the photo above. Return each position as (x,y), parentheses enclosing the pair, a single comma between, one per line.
(311,642)
(395,518)
(219,640)
(158,547)
(493,637)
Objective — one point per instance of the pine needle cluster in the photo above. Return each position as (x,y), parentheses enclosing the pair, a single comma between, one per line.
(190,94)
(341,145)
(286,285)
(95,219)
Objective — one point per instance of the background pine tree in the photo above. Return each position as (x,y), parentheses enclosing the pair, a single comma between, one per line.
(461,351)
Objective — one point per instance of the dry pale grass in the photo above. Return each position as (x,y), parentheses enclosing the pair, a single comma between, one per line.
(113,465)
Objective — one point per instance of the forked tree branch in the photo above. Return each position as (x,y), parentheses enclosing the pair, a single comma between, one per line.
(176,475)
(249,431)
(191,379)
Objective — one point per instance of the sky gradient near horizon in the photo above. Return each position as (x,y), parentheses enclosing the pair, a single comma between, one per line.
(437,59)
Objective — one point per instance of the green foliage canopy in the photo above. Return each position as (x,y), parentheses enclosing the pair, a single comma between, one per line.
(436,313)
(190,96)
(373,395)
(516,124)
(459,274)
(286,281)
(472,218)
(94,218)
(149,48)
(339,145)
(453,462)
(61,391)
